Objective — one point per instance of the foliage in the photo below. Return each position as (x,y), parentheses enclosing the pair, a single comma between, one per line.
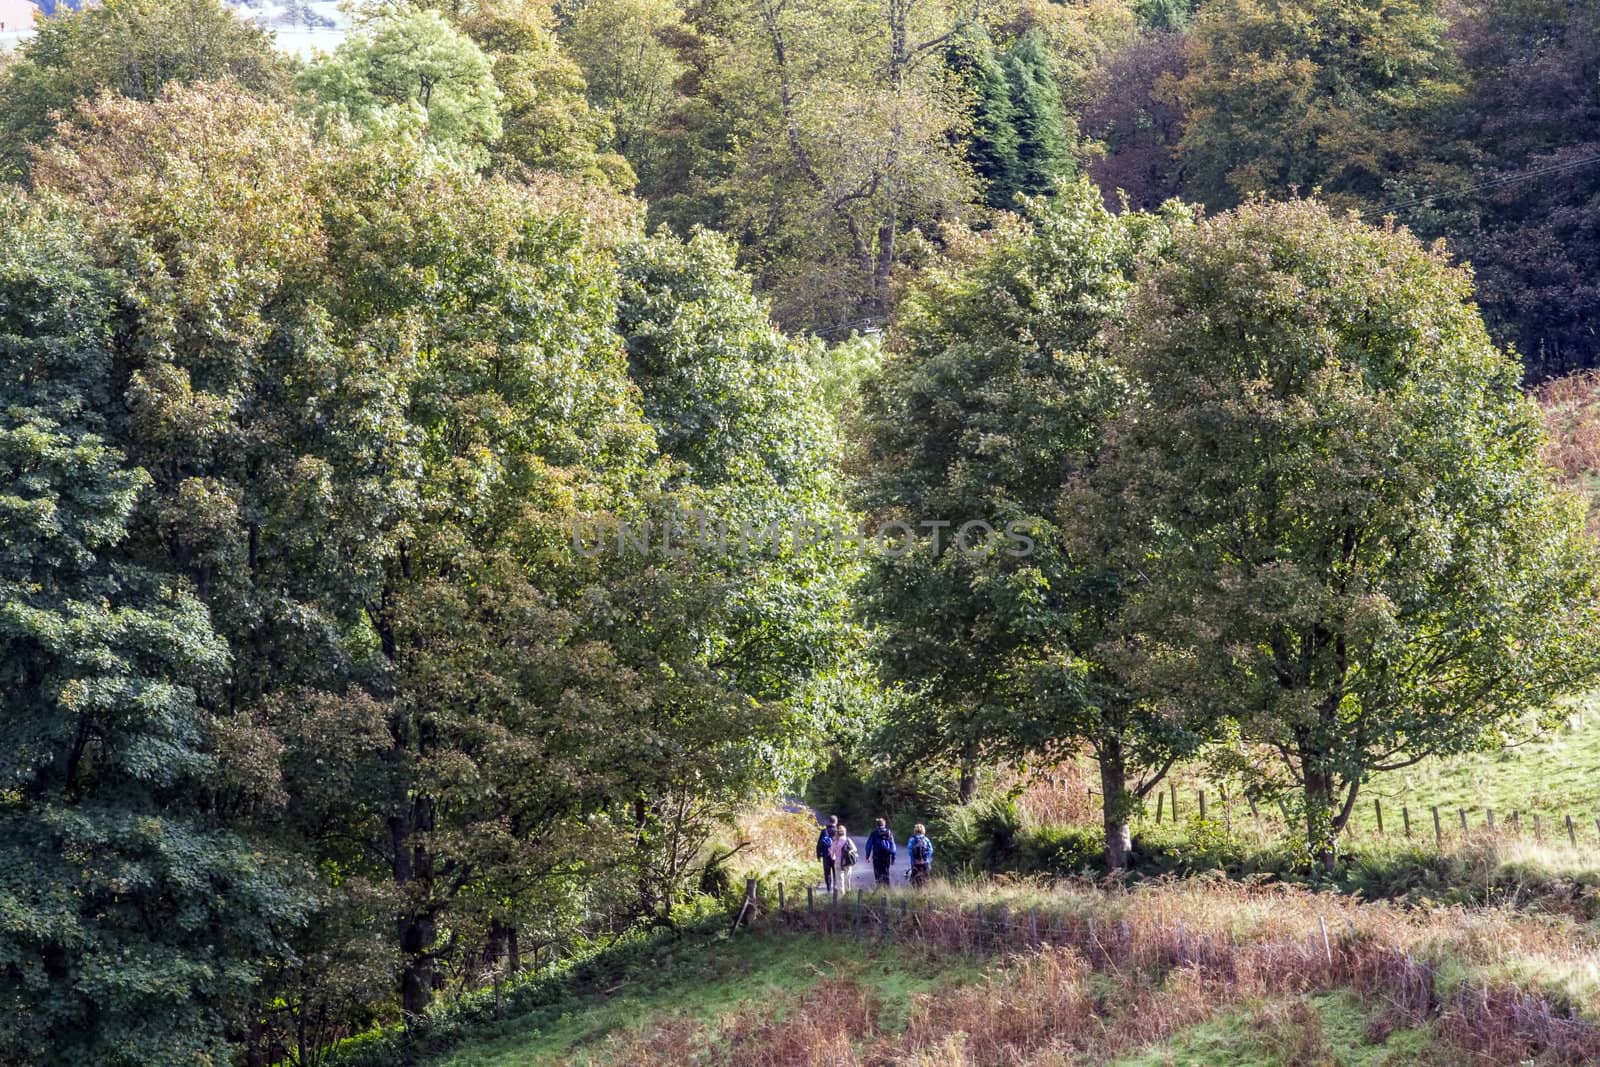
(1330,95)
(548,124)
(129,47)
(1136,113)
(135,926)
(409,68)
(842,138)
(632,68)
(993,145)
(1353,546)
(1513,181)
(1042,140)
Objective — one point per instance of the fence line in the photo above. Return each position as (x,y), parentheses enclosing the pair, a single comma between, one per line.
(1511,825)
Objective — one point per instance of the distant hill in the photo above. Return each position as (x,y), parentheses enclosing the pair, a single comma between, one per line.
(298,26)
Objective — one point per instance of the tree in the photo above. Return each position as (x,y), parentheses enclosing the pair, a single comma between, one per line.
(632,68)
(1337,95)
(130,47)
(991,408)
(548,123)
(1043,146)
(136,927)
(843,131)
(1513,182)
(1136,113)
(735,406)
(1354,548)
(409,67)
(992,143)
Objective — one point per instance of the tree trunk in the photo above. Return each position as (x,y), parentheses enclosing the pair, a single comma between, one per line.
(416,929)
(1117,803)
(967,786)
(1322,831)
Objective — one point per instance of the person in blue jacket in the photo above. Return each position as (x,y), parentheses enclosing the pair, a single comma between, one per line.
(825,851)
(880,850)
(920,850)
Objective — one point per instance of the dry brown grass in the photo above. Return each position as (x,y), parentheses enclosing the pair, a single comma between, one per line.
(1052,796)
(1083,974)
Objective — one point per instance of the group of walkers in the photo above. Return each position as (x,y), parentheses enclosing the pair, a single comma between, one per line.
(839,855)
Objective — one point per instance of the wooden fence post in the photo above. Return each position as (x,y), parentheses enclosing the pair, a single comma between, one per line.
(1538,829)
(1462,812)
(1572,834)
(1202,795)
(1161,802)
(1490,812)
(1516,822)
(780,898)
(1405,815)
(1377,810)
(1438,831)
(811,902)
(1172,787)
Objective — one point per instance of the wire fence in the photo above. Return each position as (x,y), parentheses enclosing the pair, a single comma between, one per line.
(1435,822)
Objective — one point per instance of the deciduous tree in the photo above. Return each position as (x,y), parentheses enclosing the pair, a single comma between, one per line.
(1353,544)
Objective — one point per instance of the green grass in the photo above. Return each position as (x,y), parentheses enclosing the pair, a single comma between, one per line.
(1250,1039)
(702,980)
(1554,777)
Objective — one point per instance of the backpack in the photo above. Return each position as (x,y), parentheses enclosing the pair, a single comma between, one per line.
(824,842)
(921,849)
(848,854)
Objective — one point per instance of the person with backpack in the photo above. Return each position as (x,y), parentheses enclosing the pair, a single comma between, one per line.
(825,851)
(844,859)
(880,850)
(920,850)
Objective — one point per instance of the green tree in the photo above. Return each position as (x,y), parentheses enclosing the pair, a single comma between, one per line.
(841,130)
(410,67)
(632,67)
(1337,95)
(1043,144)
(135,926)
(992,143)
(1335,486)
(990,409)
(130,47)
(548,122)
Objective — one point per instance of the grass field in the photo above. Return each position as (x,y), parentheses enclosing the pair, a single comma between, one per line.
(1194,973)
(776,998)
(701,982)
(1554,777)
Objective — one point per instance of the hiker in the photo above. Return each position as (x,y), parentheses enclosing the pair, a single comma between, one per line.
(920,851)
(880,850)
(825,851)
(844,859)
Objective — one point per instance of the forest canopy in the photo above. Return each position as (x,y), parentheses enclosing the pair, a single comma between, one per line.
(384,433)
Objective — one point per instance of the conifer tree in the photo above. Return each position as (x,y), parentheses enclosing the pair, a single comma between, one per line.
(1041,124)
(991,144)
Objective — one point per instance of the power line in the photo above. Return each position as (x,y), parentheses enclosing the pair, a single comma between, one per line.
(1495,183)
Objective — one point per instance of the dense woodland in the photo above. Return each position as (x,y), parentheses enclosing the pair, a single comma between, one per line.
(315,710)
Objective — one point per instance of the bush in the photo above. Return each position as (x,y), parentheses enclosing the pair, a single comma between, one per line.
(1065,850)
